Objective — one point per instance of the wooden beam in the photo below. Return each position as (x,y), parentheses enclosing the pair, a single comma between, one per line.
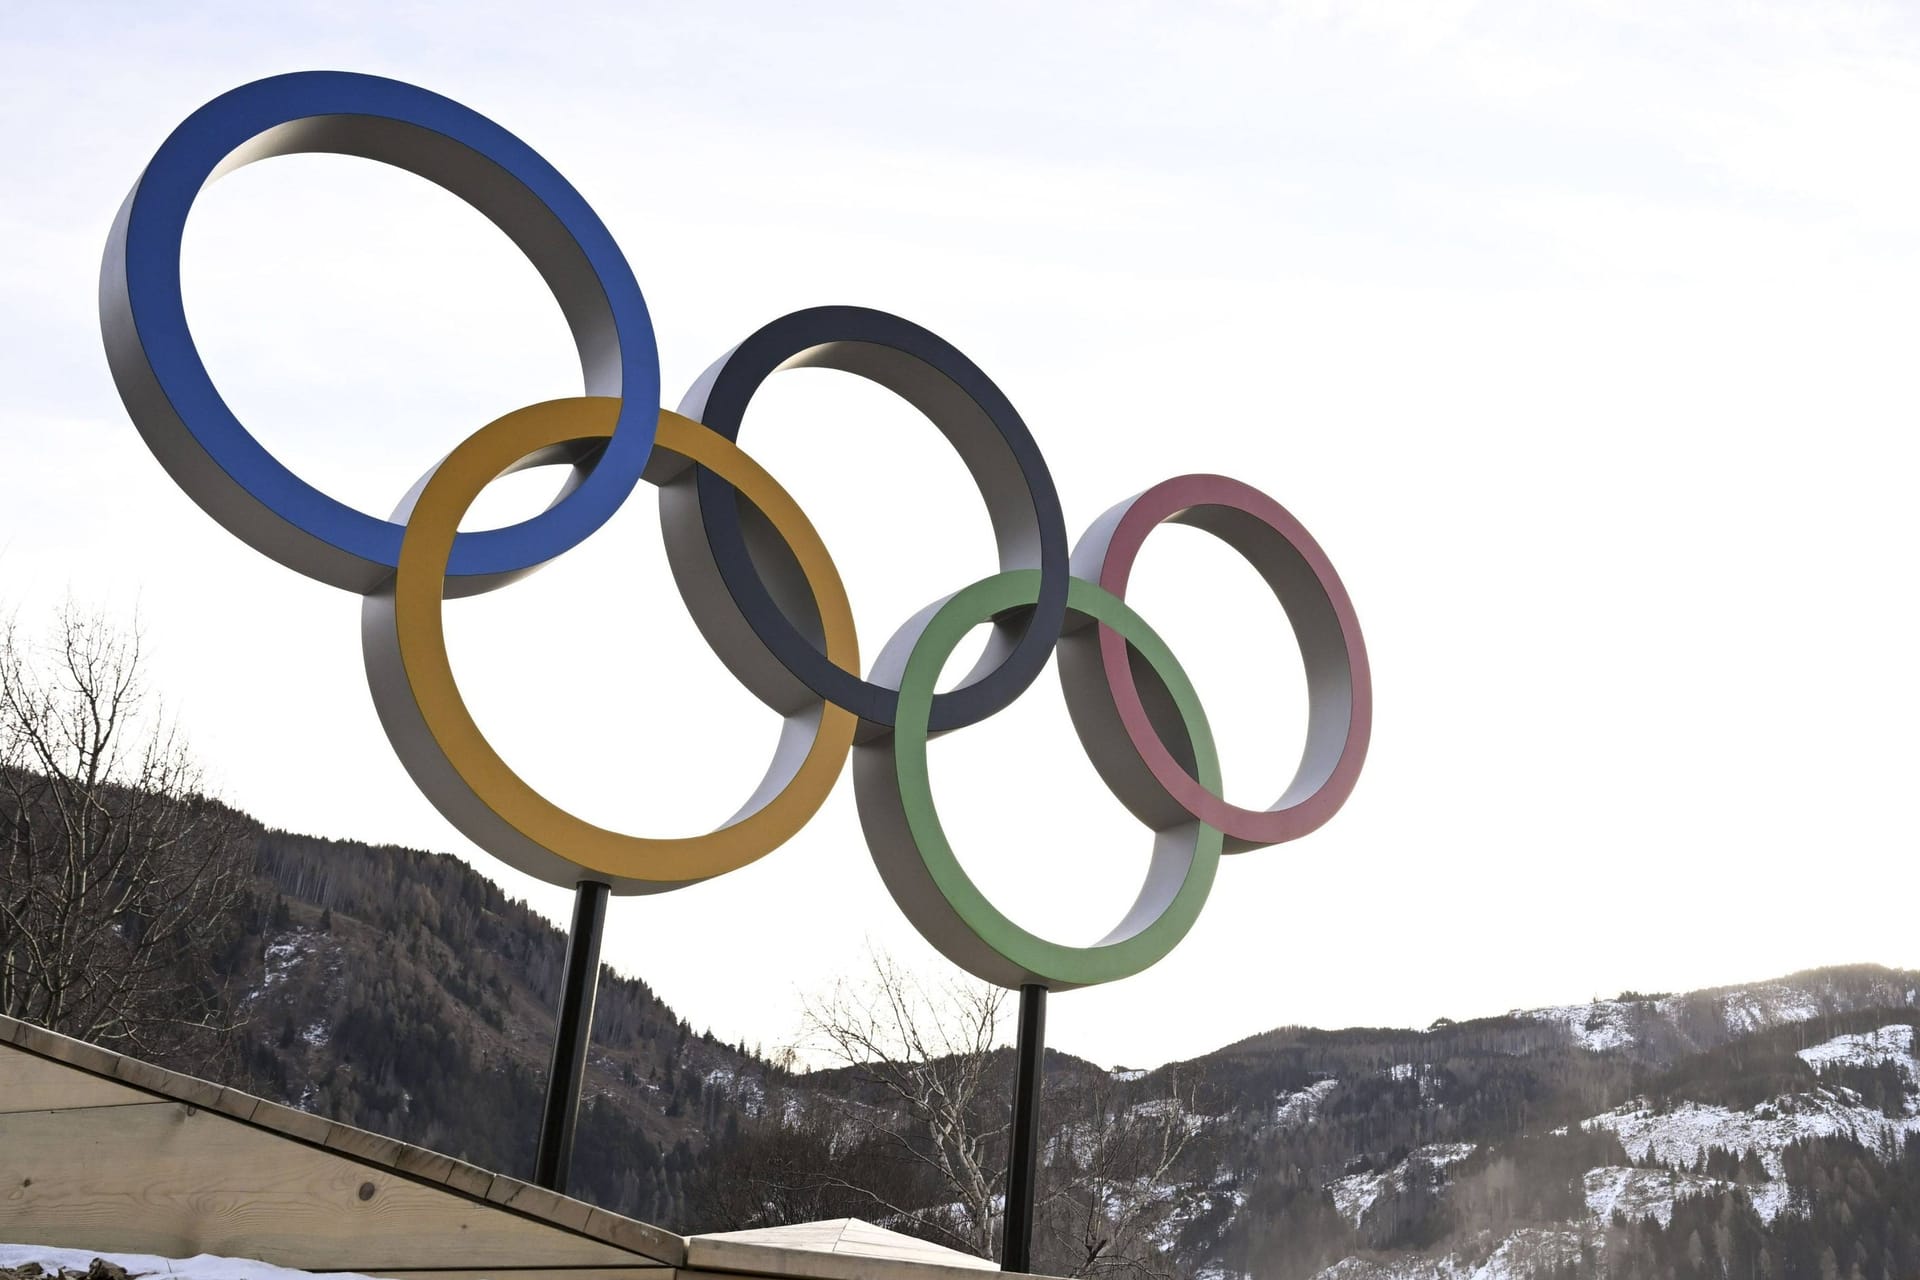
(175,1180)
(28,1083)
(68,1073)
(707,1257)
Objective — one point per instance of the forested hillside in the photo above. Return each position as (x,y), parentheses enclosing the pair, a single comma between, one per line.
(1763,1130)
(402,992)
(1766,1130)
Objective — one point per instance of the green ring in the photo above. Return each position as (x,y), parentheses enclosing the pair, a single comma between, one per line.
(1056,966)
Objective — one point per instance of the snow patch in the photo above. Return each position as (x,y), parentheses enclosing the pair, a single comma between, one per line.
(1604,1025)
(1081,1138)
(1889,1044)
(746,1090)
(1184,1204)
(205,1266)
(1653,1193)
(1164,1109)
(1355,1194)
(1599,1027)
(1679,1137)
(1752,1009)
(1296,1109)
(282,957)
(1423,1072)
(1522,1254)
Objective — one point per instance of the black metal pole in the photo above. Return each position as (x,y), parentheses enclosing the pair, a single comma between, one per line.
(1023,1155)
(578,988)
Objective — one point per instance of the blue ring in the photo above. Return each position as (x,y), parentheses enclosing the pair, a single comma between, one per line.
(487,167)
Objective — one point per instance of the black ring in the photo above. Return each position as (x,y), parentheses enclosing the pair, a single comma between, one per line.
(976,418)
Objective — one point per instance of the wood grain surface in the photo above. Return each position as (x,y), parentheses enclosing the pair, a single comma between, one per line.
(28,1083)
(171,1179)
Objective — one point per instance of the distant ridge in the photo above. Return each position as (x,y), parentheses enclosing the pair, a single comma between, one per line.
(402,992)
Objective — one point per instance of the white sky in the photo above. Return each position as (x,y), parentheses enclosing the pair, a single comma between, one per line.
(1582,338)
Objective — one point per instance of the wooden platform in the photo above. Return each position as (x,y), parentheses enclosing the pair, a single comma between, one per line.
(104,1152)
(842,1249)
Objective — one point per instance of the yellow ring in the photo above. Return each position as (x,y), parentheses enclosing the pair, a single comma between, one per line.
(420,583)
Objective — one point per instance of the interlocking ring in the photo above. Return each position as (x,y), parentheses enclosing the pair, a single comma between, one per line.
(1100,681)
(172,399)
(756,578)
(897,810)
(452,762)
(980,423)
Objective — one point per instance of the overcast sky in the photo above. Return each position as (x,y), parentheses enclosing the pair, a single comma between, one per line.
(1581,336)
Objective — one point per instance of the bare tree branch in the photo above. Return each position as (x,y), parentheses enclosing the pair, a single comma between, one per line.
(931,1053)
(119,878)
(939,1082)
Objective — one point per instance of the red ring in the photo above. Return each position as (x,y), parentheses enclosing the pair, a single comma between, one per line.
(1338,676)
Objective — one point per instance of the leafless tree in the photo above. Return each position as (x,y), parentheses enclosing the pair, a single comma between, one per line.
(119,879)
(1108,1182)
(943,1081)
(930,1054)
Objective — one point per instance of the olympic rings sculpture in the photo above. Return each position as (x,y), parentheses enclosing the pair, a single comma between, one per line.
(757,578)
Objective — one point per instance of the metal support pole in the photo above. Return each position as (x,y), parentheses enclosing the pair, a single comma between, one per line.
(578,987)
(1023,1155)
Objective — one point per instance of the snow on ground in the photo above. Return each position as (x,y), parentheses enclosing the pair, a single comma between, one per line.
(1125,1075)
(1772,1004)
(1077,1138)
(1424,1072)
(746,1090)
(204,1266)
(1163,1109)
(1678,1137)
(282,957)
(1355,1194)
(1410,1267)
(1184,1204)
(294,949)
(1442,1154)
(1602,1025)
(1296,1109)
(1520,1254)
(1770,1199)
(1870,1049)
(1523,1252)
(1652,1193)
(1599,1026)
(1083,1138)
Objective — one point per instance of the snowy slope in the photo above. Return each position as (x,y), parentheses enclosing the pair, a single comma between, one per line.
(1889,1044)
(1296,1109)
(1705,1018)
(1680,1136)
(1652,1193)
(1357,1193)
(1511,1258)
(1600,1025)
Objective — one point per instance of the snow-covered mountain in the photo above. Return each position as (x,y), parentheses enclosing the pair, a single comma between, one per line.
(1768,1125)
(1662,1027)
(1774,1121)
